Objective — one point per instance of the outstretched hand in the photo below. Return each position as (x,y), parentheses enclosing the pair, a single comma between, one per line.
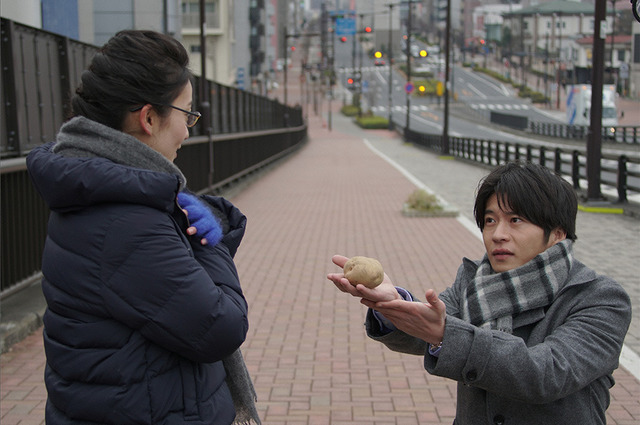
(424,320)
(383,292)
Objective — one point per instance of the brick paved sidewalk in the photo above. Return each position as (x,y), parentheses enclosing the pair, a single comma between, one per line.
(306,349)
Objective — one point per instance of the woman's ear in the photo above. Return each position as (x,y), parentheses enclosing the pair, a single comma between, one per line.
(147,119)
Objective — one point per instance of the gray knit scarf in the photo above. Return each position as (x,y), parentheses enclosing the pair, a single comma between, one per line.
(82,137)
(493,299)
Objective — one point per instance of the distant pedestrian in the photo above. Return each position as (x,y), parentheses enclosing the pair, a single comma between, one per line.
(531,335)
(145,313)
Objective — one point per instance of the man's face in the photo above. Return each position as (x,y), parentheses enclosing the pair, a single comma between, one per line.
(511,240)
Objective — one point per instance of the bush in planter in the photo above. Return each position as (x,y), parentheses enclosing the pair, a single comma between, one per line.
(349,110)
(372,122)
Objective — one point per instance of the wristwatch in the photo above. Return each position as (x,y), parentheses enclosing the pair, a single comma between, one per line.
(434,349)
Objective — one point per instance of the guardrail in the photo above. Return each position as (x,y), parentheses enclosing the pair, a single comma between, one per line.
(620,134)
(615,170)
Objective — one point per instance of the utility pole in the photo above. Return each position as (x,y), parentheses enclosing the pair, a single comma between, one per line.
(613,26)
(390,60)
(205,106)
(594,136)
(445,127)
(408,47)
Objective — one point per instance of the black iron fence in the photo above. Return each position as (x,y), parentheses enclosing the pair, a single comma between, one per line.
(39,69)
(617,171)
(619,134)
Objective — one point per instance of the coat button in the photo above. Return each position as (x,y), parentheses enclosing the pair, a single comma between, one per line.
(472,375)
(498,420)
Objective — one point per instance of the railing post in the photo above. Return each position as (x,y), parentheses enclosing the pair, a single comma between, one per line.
(575,169)
(543,156)
(507,154)
(557,163)
(529,154)
(622,178)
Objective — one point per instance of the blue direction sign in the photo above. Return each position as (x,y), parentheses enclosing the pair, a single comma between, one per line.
(345,26)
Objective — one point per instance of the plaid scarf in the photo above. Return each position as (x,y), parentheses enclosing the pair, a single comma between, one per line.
(493,299)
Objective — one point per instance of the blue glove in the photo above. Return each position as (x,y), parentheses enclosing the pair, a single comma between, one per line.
(201,217)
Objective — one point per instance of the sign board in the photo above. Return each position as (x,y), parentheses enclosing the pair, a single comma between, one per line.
(624,70)
(365,86)
(240,78)
(345,26)
(409,87)
(439,88)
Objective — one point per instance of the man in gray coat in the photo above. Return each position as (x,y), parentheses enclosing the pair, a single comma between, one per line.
(531,335)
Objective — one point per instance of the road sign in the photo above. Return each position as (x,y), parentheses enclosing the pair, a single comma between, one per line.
(240,78)
(365,86)
(409,87)
(345,26)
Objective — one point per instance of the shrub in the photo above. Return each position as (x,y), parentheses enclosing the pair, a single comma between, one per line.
(421,200)
(349,110)
(372,122)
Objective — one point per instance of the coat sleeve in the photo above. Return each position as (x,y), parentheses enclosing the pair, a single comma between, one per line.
(571,353)
(189,303)
(402,342)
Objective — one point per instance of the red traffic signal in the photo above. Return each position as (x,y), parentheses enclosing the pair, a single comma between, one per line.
(349,80)
(343,39)
(367,29)
(293,48)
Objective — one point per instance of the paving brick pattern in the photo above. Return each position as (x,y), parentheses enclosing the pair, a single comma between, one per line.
(306,348)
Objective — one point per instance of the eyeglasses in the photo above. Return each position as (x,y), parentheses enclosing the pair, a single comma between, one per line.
(192,116)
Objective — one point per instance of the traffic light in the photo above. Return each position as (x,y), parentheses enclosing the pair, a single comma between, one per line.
(367,29)
(350,85)
(293,48)
(343,39)
(423,53)
(377,55)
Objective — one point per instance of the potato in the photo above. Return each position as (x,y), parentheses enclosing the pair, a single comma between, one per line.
(364,270)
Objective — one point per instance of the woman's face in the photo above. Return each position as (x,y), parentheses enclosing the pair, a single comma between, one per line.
(172,130)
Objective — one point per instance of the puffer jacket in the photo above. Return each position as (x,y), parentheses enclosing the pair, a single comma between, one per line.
(139,314)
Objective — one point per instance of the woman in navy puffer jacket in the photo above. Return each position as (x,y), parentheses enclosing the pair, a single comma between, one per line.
(145,311)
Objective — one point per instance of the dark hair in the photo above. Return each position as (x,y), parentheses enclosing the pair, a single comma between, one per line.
(533,192)
(133,68)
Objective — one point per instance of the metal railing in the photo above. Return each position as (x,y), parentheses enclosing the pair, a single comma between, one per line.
(245,132)
(615,170)
(620,134)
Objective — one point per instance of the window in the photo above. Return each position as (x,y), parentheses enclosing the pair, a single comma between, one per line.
(193,7)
